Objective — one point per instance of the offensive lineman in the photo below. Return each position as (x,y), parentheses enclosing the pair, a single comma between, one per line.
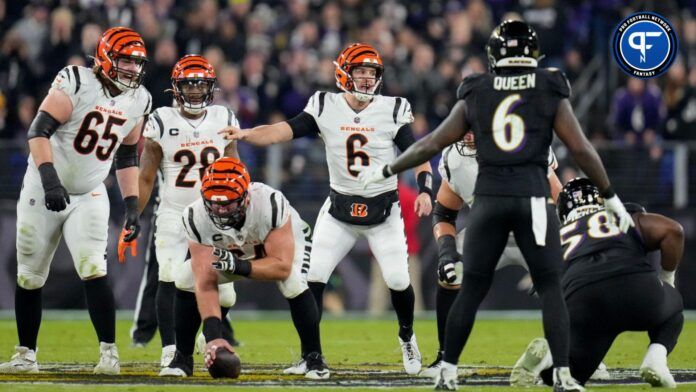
(359,127)
(88,119)
(513,111)
(181,143)
(239,229)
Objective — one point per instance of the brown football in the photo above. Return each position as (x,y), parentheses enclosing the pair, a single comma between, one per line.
(226,364)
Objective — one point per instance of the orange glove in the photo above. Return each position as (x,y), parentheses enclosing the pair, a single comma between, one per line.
(123,246)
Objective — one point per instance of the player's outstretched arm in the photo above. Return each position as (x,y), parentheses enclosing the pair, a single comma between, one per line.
(665,234)
(263,135)
(150,161)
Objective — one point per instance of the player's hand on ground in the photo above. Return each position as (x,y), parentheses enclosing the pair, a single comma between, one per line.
(225,260)
(368,174)
(212,346)
(615,209)
(124,245)
(424,205)
(233,133)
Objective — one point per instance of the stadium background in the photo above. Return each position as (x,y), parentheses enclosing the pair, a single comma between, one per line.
(270,56)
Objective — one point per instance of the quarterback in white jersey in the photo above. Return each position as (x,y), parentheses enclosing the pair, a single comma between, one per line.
(241,229)
(89,120)
(180,143)
(360,128)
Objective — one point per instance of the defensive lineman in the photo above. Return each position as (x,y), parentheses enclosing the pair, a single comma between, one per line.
(89,119)
(360,128)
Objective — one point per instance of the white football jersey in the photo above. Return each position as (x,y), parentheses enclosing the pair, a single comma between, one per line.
(188,147)
(268,209)
(84,146)
(365,138)
(461,171)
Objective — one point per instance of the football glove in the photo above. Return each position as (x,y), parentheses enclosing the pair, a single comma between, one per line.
(55,195)
(225,260)
(615,209)
(132,225)
(447,259)
(124,245)
(368,175)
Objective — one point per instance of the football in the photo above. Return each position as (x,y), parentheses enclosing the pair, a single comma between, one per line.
(226,364)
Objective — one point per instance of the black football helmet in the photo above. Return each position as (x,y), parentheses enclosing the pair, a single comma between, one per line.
(513,43)
(578,192)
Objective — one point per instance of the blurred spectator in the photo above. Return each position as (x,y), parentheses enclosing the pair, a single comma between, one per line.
(637,113)
(680,99)
(159,72)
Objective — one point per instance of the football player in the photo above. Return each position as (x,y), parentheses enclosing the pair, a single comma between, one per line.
(89,120)
(608,277)
(513,111)
(239,229)
(360,128)
(181,143)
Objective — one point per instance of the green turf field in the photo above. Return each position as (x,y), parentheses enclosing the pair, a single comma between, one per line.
(361,352)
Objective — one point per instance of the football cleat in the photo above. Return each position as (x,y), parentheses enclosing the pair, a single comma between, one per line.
(601,373)
(108,360)
(535,358)
(564,382)
(23,361)
(410,355)
(167,355)
(446,380)
(298,368)
(180,366)
(434,368)
(316,367)
(654,368)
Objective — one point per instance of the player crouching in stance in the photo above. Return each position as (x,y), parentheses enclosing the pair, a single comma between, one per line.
(240,229)
(608,277)
(89,120)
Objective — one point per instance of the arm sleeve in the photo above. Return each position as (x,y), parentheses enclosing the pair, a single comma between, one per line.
(404,138)
(69,81)
(303,124)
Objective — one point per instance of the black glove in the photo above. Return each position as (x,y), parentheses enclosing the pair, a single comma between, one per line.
(447,258)
(56,196)
(132,225)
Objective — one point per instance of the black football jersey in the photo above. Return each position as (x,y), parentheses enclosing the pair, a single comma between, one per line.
(512,115)
(595,249)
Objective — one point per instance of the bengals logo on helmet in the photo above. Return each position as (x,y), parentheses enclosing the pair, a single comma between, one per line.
(226,179)
(358,210)
(195,74)
(116,44)
(357,55)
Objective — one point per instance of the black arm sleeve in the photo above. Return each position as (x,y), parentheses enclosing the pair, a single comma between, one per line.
(303,125)
(126,156)
(404,138)
(44,125)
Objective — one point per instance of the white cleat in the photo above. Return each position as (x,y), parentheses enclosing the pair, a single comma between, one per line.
(434,369)
(23,361)
(167,355)
(535,358)
(654,368)
(564,382)
(446,380)
(299,368)
(410,355)
(601,374)
(108,360)
(316,367)
(200,343)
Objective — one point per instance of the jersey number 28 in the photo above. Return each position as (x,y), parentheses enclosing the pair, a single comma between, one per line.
(208,156)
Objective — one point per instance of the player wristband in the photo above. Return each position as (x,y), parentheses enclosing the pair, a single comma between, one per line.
(425,183)
(608,193)
(386,171)
(242,267)
(212,328)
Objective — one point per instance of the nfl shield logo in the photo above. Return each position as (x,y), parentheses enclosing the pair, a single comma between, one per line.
(356,120)
(32,202)
(196,134)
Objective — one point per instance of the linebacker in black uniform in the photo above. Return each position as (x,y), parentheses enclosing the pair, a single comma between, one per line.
(608,277)
(512,111)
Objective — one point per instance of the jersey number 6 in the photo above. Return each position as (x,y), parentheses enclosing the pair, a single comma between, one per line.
(508,128)
(352,153)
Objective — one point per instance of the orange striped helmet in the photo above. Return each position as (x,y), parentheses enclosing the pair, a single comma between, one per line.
(358,55)
(224,189)
(193,83)
(121,57)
